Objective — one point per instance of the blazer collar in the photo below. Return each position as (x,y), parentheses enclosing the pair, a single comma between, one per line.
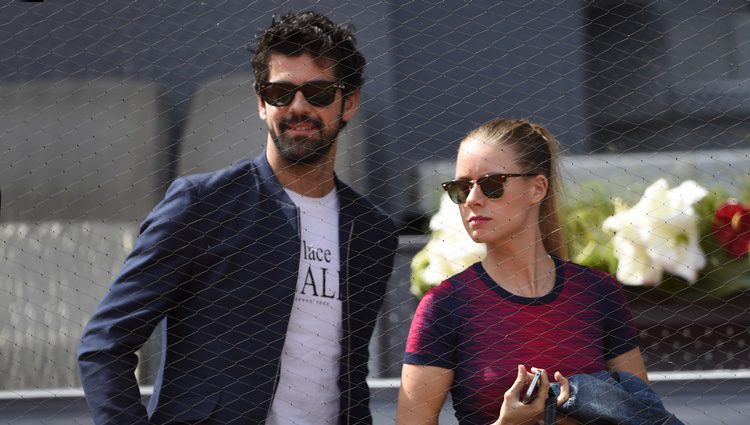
(268,179)
(347,196)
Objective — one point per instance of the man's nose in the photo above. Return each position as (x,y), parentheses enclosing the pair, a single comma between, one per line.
(299,102)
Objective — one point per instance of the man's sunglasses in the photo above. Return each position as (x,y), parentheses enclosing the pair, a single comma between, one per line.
(492,185)
(317,93)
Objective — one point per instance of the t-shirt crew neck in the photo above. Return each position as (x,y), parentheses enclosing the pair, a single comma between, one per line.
(547,298)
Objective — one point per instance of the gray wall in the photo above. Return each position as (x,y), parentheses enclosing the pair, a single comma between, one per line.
(605,76)
(436,69)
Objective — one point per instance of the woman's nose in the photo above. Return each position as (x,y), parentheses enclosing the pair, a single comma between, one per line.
(475,194)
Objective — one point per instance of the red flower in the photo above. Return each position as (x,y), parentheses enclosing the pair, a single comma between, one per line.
(731,226)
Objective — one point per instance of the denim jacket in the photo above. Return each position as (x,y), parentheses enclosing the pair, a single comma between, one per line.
(613,398)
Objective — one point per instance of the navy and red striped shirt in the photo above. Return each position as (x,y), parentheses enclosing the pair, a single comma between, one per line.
(482,332)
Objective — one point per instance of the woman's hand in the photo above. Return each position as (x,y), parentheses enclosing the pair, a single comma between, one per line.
(514,412)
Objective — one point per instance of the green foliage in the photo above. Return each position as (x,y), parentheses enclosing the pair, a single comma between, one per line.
(588,244)
(724,274)
(418,285)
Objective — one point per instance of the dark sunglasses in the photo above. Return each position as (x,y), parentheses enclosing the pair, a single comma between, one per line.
(492,185)
(317,93)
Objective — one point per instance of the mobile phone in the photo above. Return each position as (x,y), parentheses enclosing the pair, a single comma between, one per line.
(531,390)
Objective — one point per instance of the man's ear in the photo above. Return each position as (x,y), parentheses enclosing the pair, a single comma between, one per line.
(351,102)
(261,108)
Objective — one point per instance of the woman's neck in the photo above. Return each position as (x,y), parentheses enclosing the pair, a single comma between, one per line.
(525,272)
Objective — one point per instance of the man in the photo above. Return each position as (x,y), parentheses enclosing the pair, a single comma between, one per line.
(267,275)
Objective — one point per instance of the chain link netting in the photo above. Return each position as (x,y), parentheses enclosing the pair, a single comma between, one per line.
(103,104)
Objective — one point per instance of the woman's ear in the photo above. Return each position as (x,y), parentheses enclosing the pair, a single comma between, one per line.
(541,185)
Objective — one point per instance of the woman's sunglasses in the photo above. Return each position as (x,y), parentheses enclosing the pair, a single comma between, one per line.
(492,185)
(317,93)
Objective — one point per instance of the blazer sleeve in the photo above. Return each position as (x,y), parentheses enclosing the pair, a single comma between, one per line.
(148,285)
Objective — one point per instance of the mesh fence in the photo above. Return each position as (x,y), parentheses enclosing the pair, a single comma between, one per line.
(104,104)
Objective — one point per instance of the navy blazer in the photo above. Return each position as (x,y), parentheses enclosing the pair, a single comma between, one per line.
(217,262)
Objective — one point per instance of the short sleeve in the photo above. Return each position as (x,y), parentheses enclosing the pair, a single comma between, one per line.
(432,335)
(620,332)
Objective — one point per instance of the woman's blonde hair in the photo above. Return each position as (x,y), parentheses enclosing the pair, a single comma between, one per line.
(537,151)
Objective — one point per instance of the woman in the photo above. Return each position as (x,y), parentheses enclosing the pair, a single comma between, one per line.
(523,307)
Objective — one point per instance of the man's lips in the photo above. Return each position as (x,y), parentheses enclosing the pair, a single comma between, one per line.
(300,131)
(301,126)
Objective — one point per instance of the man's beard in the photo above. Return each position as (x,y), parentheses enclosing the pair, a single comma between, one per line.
(308,150)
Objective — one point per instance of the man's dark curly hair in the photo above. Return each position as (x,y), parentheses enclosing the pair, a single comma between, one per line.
(310,32)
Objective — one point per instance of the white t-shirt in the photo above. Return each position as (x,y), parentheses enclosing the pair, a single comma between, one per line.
(308,391)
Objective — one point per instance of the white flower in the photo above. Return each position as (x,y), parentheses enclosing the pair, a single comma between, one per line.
(450,249)
(659,233)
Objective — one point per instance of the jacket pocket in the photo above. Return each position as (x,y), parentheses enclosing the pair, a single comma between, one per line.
(185,409)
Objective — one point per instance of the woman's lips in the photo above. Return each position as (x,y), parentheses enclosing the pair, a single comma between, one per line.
(476,220)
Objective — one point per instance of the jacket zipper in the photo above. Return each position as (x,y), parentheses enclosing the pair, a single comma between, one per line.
(278,364)
(348,326)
